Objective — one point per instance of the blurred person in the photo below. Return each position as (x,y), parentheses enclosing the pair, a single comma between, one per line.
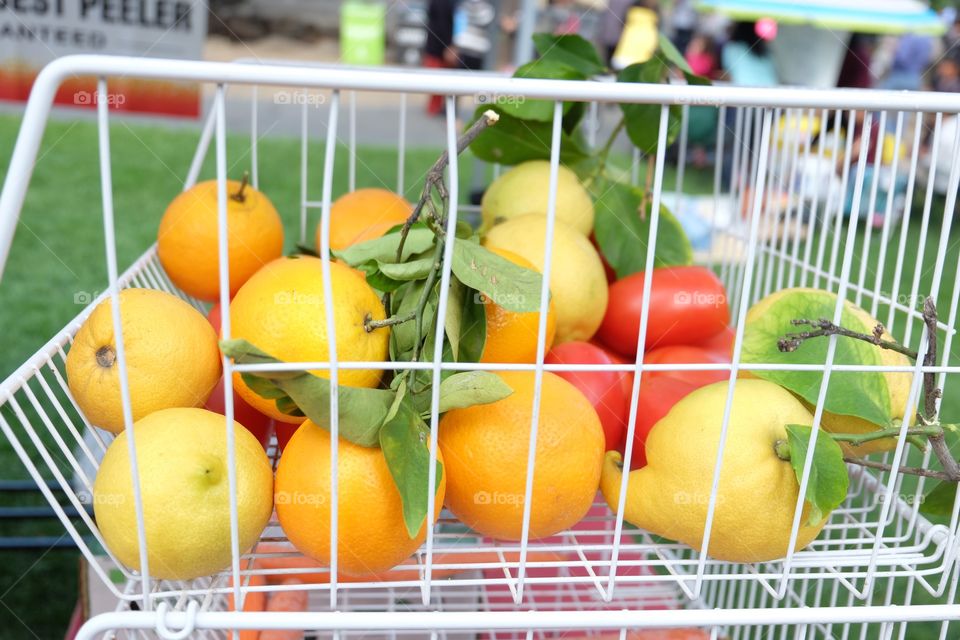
(439,51)
(639,39)
(946,74)
(745,59)
(683,21)
(561,17)
(611,26)
(910,59)
(855,69)
(703,56)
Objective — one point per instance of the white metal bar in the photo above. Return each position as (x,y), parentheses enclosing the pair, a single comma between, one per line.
(223,255)
(304,169)
(328,166)
(402,144)
(888,214)
(106,186)
(352,143)
(254,137)
(905,225)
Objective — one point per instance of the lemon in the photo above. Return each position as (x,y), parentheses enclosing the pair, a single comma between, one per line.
(898,383)
(182,463)
(577,281)
(757,493)
(526,189)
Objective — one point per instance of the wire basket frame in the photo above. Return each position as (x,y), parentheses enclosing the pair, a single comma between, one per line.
(876,541)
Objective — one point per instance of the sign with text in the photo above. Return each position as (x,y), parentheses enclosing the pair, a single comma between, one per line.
(34,32)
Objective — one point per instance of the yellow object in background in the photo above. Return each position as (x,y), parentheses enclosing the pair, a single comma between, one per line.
(638,40)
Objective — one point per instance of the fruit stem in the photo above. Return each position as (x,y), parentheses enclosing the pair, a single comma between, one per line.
(434,179)
(912,471)
(857,439)
(240,196)
(604,153)
(782,449)
(824,327)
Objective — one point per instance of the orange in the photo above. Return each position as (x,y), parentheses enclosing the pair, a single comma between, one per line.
(282,311)
(171,352)
(485,452)
(371,534)
(364,214)
(511,335)
(188,242)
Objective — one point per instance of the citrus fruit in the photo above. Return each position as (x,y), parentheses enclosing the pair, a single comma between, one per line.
(757,493)
(188,242)
(371,534)
(526,188)
(485,451)
(282,311)
(577,282)
(512,336)
(364,214)
(182,463)
(778,309)
(171,353)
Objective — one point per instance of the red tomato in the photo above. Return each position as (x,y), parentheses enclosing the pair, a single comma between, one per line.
(254,421)
(284,431)
(720,344)
(657,397)
(687,304)
(685,354)
(604,389)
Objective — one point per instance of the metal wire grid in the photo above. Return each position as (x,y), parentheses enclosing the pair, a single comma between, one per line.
(876,538)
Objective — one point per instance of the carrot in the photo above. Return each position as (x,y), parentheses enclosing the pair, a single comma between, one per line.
(285,601)
(394,575)
(252,601)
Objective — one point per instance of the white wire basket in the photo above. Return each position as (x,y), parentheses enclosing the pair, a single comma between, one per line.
(603,578)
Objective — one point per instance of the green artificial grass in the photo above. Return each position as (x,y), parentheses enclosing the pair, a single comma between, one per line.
(57,262)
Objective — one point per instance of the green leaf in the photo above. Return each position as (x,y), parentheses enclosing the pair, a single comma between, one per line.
(696,80)
(939,500)
(622,233)
(404,442)
(643,120)
(672,54)
(376,278)
(466,389)
(454,321)
(573,115)
(473,328)
(861,394)
(404,271)
(504,283)
(361,410)
(571,50)
(828,481)
(512,141)
(384,249)
(540,110)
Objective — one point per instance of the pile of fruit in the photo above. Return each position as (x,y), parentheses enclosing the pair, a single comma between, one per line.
(279,313)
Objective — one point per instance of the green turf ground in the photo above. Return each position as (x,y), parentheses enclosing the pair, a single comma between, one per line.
(58,257)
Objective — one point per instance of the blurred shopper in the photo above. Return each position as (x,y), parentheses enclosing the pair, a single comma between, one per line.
(611,26)
(745,58)
(855,70)
(910,59)
(703,56)
(639,39)
(946,75)
(683,22)
(561,17)
(439,52)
